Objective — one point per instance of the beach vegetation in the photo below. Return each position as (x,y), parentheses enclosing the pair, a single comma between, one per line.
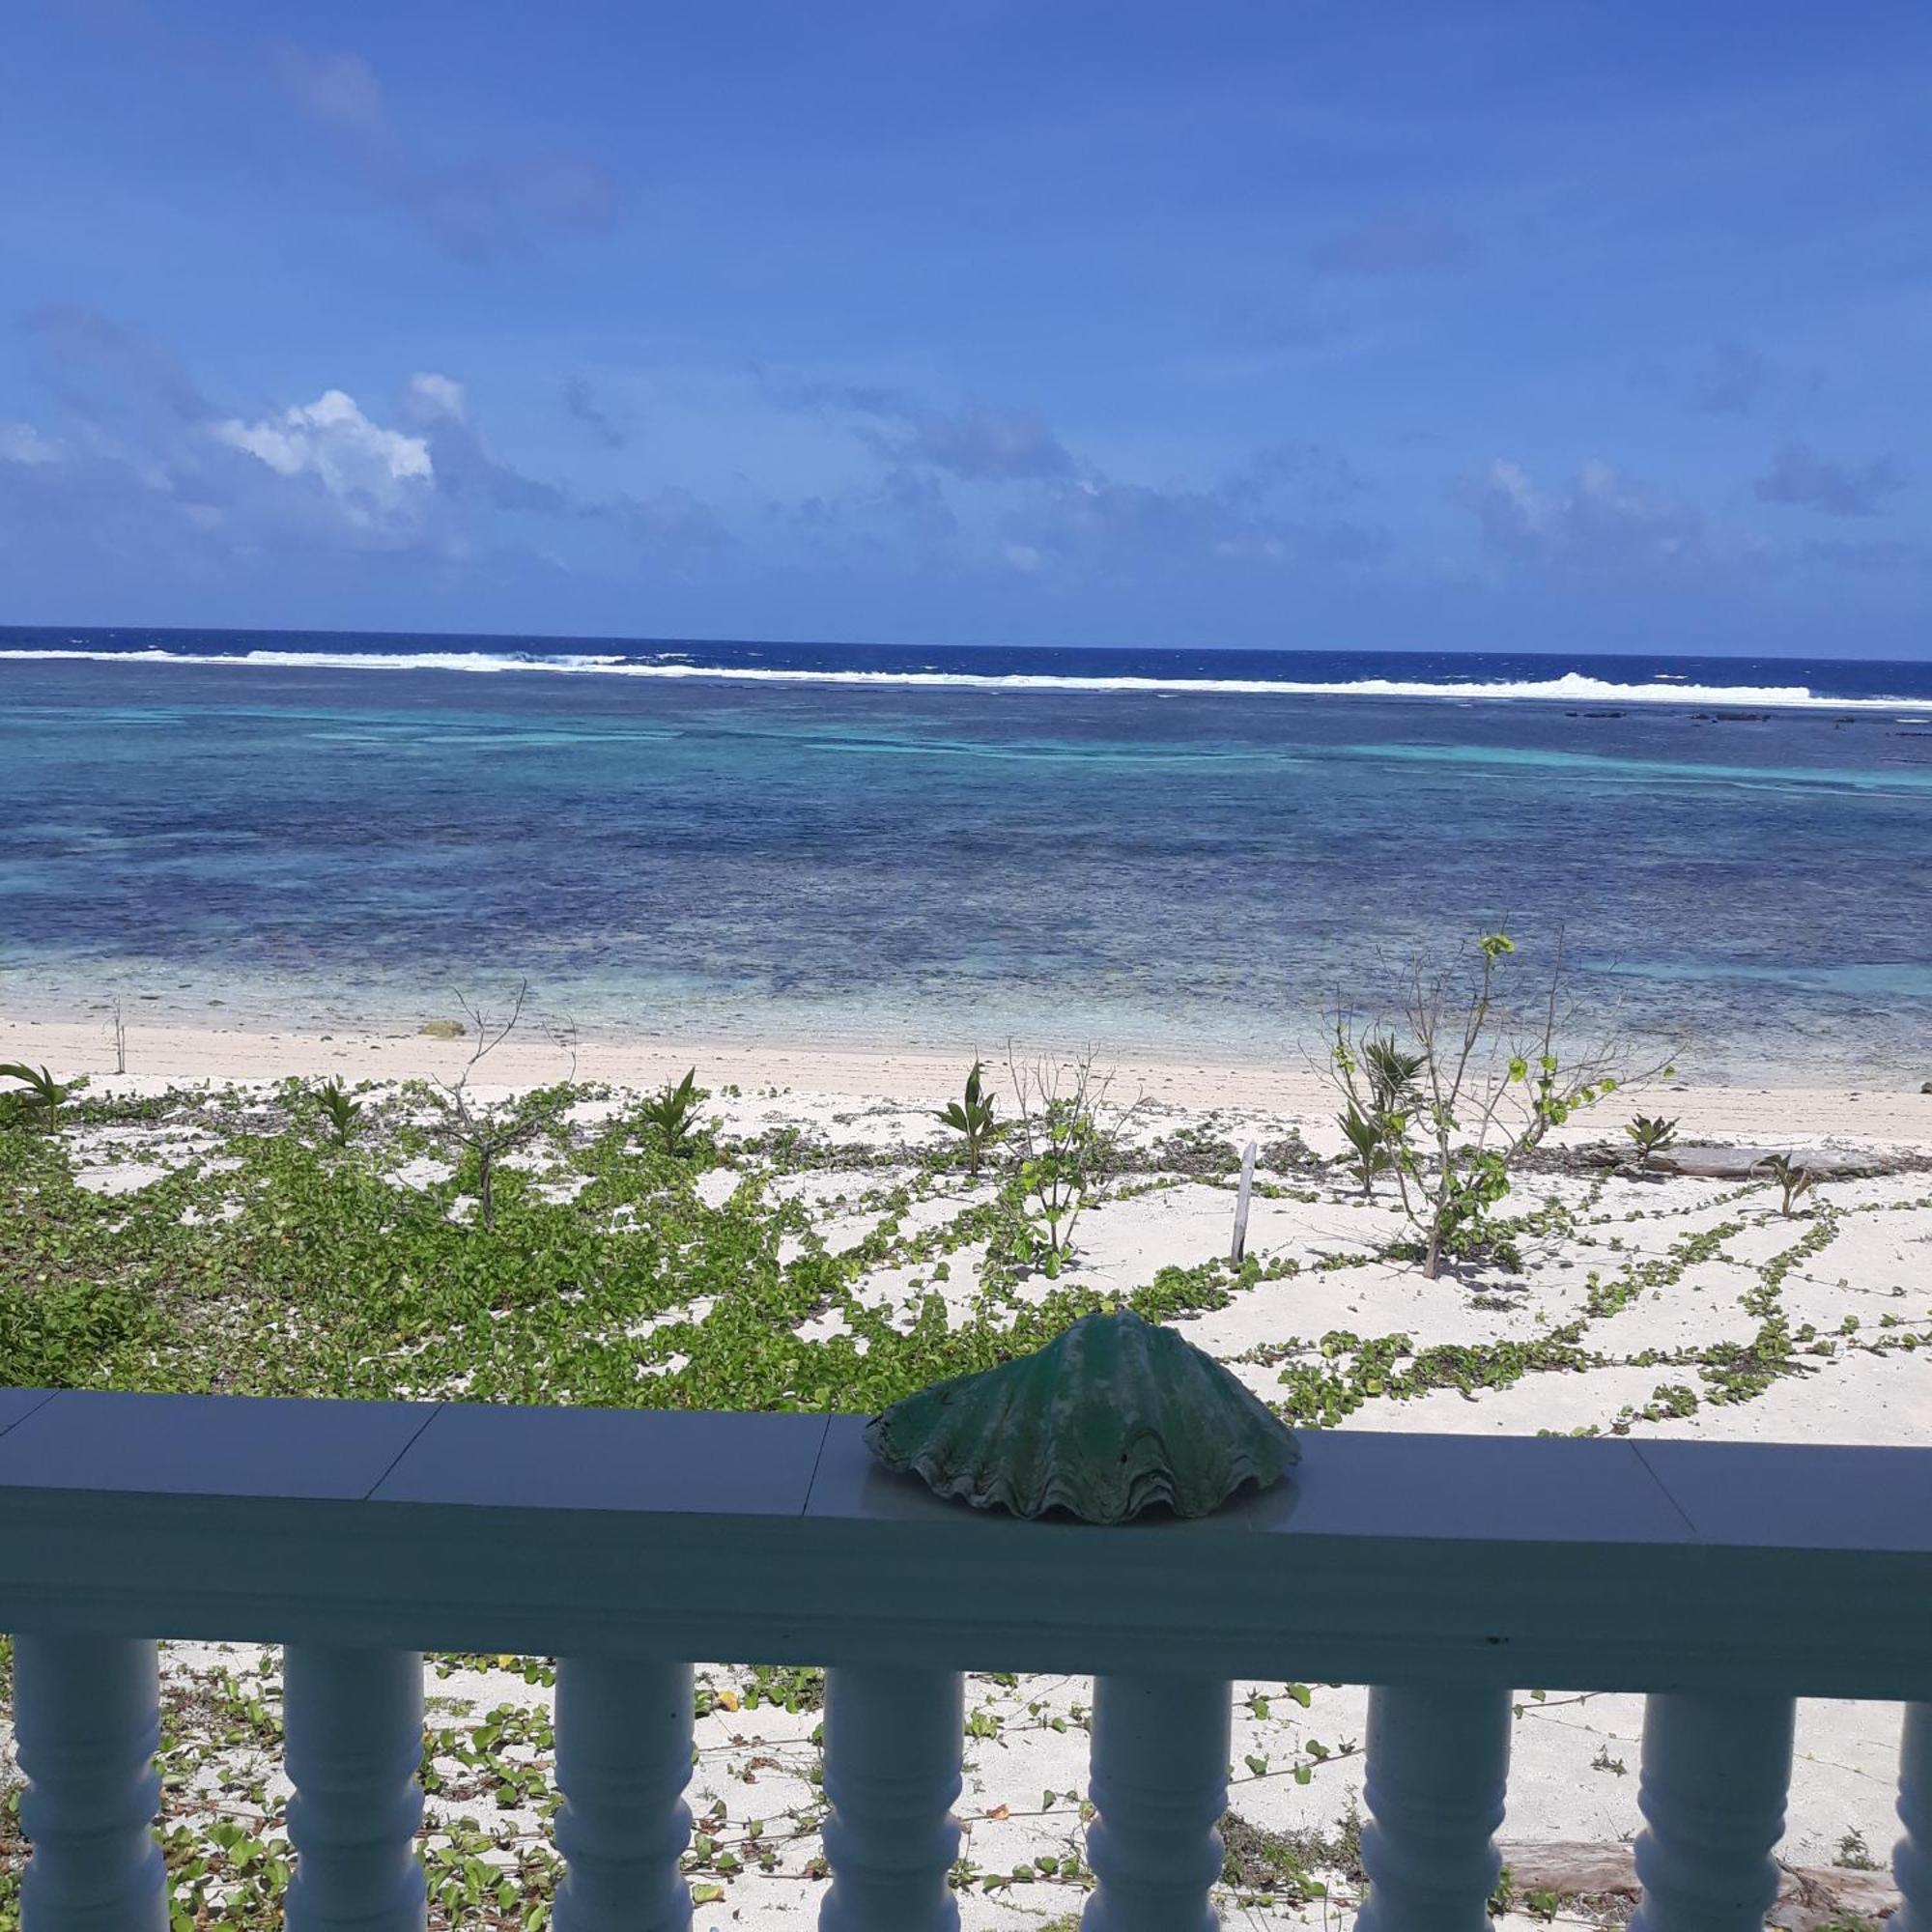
(1373,1144)
(972,1119)
(1650,1135)
(1793,1180)
(1854,1853)
(481,1133)
(38,1098)
(1377,1133)
(1460,1087)
(670,1114)
(267,1260)
(340,1113)
(1068,1138)
(1392,1075)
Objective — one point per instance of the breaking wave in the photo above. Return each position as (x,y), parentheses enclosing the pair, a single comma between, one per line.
(1570,688)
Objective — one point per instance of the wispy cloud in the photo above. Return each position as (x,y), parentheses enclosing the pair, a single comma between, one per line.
(580,400)
(1598,523)
(1058,512)
(472,209)
(1102,524)
(976,441)
(1800,477)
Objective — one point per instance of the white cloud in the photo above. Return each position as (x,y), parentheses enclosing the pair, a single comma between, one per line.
(1600,520)
(431,397)
(375,473)
(22,442)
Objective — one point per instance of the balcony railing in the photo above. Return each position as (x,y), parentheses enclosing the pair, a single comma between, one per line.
(1722,1580)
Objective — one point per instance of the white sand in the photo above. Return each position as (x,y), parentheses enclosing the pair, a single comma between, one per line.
(1768,1114)
(1576,1759)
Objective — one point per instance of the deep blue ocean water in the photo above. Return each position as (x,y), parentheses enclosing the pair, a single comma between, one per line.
(1159,850)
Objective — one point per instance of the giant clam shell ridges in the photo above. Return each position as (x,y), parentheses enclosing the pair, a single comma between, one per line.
(1108,1419)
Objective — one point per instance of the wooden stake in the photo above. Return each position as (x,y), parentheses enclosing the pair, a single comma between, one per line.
(1241,1246)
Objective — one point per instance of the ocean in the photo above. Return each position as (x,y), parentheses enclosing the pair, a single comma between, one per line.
(1171,853)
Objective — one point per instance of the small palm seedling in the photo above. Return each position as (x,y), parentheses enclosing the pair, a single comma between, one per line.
(339,1110)
(1392,1075)
(671,1111)
(972,1119)
(1793,1178)
(1650,1137)
(40,1100)
(1370,1142)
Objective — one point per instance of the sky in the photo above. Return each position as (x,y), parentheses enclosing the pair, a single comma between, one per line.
(1551,326)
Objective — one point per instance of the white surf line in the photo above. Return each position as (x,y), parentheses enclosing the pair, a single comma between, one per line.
(1572,686)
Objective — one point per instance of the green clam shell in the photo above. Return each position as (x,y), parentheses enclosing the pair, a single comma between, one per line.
(1110,1418)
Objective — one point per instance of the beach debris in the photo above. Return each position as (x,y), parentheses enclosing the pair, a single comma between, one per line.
(1111,1417)
(1752,1163)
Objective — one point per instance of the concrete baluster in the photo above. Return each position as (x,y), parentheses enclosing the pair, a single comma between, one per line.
(1435,1782)
(354,1727)
(87,1724)
(1159,1788)
(893,1742)
(1912,1858)
(1716,1769)
(623,1758)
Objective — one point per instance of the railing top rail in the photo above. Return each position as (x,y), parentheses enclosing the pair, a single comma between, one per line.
(1600,1564)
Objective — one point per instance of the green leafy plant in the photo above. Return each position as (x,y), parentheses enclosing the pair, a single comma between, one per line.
(339,1112)
(1067,1153)
(1650,1136)
(1375,1133)
(972,1119)
(1469,1097)
(1794,1180)
(39,1102)
(671,1112)
(1854,1853)
(1392,1073)
(1373,1144)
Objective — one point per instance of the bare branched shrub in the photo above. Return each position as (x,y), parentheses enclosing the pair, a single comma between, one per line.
(485,1131)
(1068,1133)
(1457,1086)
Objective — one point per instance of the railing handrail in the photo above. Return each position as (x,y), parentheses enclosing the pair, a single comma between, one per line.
(1588,1564)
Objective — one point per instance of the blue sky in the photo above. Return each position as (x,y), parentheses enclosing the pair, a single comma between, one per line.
(1525,327)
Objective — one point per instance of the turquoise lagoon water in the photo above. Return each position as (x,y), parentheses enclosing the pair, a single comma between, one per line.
(1156,852)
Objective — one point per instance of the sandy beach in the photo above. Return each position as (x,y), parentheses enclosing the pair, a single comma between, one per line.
(1292,1089)
(1631,1303)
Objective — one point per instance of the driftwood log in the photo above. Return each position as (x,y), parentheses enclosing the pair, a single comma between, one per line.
(1603,1877)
